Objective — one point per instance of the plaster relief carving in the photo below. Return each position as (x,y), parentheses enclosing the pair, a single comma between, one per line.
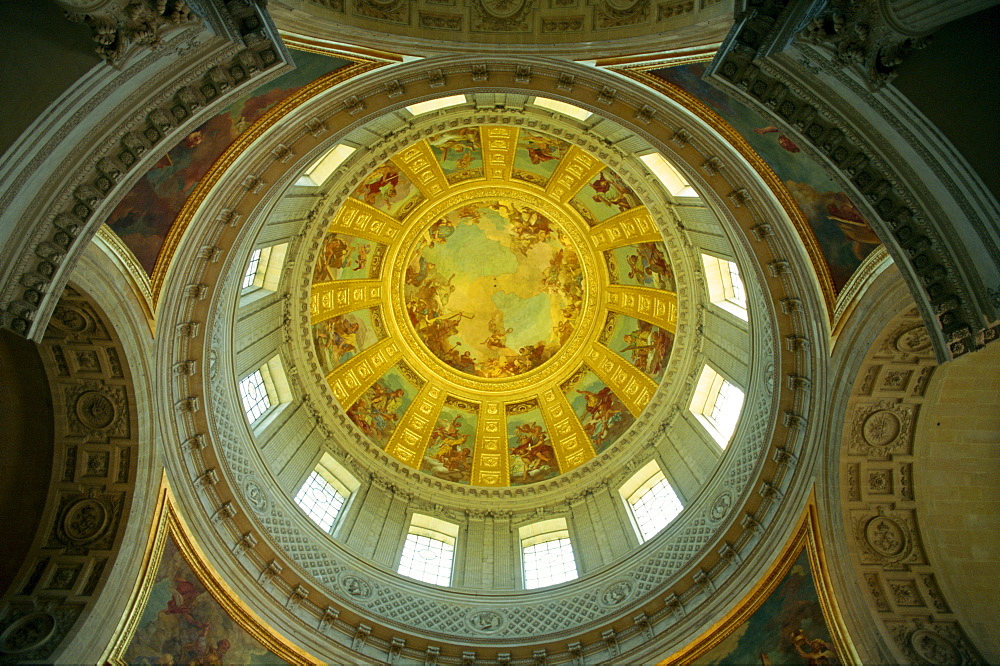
(119,28)
(84,521)
(721,506)
(256,496)
(501,15)
(356,586)
(485,621)
(882,428)
(616,593)
(888,539)
(28,633)
(618,13)
(97,411)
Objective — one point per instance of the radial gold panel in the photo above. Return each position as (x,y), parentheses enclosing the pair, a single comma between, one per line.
(627,228)
(354,377)
(491,467)
(499,144)
(575,169)
(420,164)
(410,439)
(330,299)
(356,218)
(490,289)
(571,444)
(628,382)
(653,305)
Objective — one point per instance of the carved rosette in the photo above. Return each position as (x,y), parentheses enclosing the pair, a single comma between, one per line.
(882,428)
(96,411)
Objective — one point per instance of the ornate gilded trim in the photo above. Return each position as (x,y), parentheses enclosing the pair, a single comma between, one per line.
(167,520)
(222,165)
(763,169)
(806,535)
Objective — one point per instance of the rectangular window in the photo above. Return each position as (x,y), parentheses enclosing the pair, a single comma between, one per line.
(667,174)
(264,389)
(251,273)
(264,268)
(435,104)
(429,550)
(725,287)
(651,500)
(547,554)
(320,500)
(326,165)
(325,492)
(565,109)
(717,404)
(254,394)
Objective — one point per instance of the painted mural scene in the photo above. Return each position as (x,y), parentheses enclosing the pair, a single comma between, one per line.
(644,265)
(844,235)
(788,628)
(390,190)
(532,457)
(537,157)
(143,217)
(602,414)
(449,451)
(459,152)
(644,345)
(604,197)
(339,338)
(378,410)
(183,624)
(343,257)
(494,289)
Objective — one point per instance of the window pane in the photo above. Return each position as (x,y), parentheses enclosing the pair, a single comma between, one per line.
(255,400)
(726,409)
(548,563)
(655,508)
(426,559)
(320,501)
(739,296)
(251,273)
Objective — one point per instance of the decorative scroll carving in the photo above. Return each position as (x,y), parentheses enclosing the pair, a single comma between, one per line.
(120,27)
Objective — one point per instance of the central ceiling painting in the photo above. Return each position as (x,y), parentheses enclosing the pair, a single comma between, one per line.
(493,306)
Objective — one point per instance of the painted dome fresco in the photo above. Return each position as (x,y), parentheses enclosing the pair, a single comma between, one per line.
(493,306)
